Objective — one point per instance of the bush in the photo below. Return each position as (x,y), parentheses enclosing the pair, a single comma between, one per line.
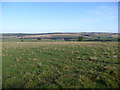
(38,38)
(80,38)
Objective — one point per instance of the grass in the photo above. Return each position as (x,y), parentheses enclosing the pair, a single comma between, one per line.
(60,65)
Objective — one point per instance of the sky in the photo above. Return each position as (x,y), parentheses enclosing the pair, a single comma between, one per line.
(44,17)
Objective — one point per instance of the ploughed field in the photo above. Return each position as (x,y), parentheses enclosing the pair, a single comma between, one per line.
(60,65)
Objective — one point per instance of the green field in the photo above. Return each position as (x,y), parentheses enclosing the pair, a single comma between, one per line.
(60,65)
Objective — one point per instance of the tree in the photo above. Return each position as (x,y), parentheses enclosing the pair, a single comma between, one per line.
(21,39)
(38,38)
(80,38)
(66,39)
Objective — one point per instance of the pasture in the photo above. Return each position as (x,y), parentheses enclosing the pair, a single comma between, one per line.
(60,65)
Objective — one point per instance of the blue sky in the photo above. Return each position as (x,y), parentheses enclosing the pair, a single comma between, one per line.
(41,17)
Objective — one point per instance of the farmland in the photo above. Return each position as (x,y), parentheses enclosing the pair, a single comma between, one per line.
(11,37)
(60,65)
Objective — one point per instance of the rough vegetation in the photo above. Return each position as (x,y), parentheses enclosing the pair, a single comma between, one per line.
(60,65)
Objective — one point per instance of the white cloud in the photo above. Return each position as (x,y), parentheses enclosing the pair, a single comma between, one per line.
(104,13)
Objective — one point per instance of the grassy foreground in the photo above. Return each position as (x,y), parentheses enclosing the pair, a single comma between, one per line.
(60,65)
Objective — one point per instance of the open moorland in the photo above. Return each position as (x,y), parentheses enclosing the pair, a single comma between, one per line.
(60,65)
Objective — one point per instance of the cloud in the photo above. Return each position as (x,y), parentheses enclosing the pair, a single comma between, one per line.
(103,13)
(103,7)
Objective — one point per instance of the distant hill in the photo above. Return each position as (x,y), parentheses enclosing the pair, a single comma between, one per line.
(60,36)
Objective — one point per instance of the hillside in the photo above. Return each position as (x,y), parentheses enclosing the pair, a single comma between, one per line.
(88,36)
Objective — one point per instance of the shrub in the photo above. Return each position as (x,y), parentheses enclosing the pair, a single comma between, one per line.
(80,38)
